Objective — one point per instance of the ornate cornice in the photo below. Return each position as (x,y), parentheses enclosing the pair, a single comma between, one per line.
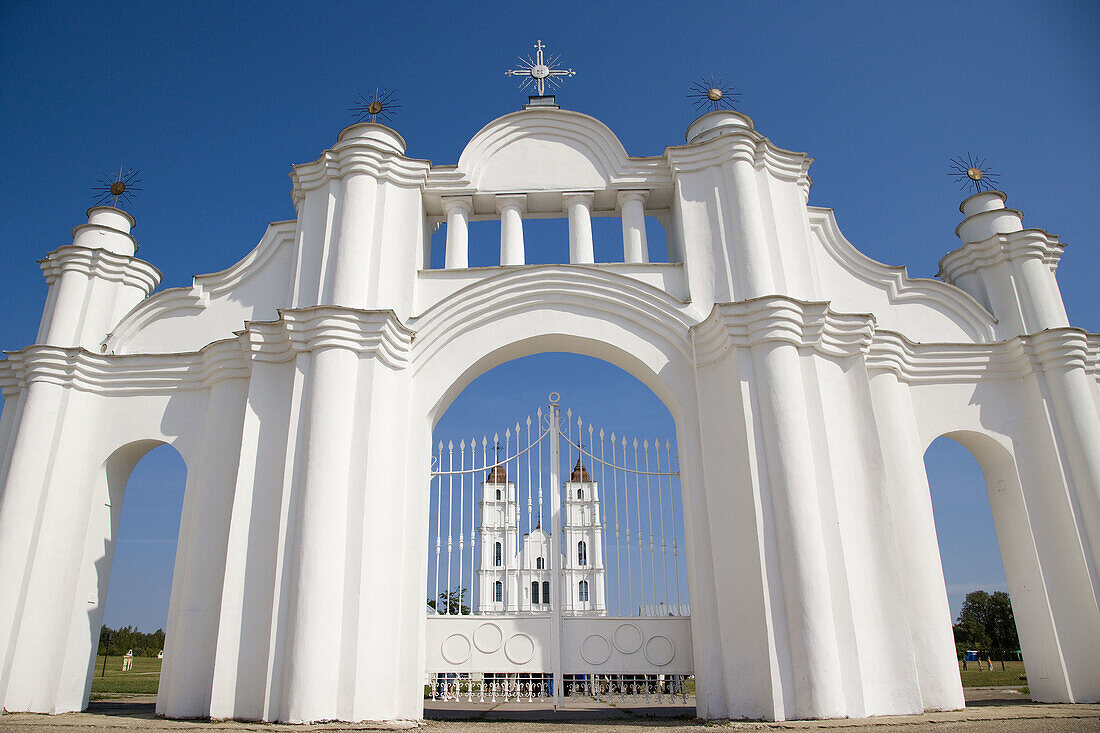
(123,375)
(746,145)
(1013,358)
(359,157)
(102,264)
(1025,244)
(377,333)
(778,318)
(1092,364)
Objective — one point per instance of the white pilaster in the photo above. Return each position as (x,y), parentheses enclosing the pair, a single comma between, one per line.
(458,210)
(632,207)
(926,604)
(313,671)
(579,206)
(511,209)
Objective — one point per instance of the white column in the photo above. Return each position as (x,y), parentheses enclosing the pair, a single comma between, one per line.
(632,207)
(927,610)
(803,568)
(458,210)
(579,206)
(748,231)
(511,210)
(313,673)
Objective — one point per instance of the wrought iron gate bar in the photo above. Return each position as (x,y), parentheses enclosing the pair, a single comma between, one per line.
(616,467)
(539,590)
(489,466)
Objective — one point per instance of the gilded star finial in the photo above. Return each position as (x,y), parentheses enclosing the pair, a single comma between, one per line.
(713,93)
(973,173)
(539,72)
(115,188)
(380,105)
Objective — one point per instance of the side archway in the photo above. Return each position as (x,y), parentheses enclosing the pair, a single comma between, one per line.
(1044,625)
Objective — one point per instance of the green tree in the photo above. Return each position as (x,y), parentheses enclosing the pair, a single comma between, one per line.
(451,602)
(986,622)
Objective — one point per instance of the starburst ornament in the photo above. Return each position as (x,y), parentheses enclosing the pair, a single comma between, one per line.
(115,188)
(380,105)
(538,72)
(714,93)
(973,173)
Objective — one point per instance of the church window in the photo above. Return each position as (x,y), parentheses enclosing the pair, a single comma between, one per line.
(540,564)
(583,590)
(498,494)
(498,554)
(546,591)
(582,553)
(498,591)
(580,493)
(535,592)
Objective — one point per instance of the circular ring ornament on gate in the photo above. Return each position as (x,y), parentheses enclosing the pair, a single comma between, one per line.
(519,649)
(595,649)
(455,649)
(659,650)
(627,638)
(488,637)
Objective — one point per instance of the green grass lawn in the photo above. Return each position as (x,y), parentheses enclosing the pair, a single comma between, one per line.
(973,677)
(143,679)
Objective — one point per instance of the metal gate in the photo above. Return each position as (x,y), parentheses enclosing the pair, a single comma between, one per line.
(556,575)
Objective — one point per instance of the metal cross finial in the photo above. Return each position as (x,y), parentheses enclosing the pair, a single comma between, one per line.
(539,71)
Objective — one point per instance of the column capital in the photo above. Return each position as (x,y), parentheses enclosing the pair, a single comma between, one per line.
(781,319)
(457,203)
(377,333)
(505,200)
(631,194)
(582,197)
(1013,246)
(100,263)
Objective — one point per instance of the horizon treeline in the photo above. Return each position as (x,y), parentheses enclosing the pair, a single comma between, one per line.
(126,638)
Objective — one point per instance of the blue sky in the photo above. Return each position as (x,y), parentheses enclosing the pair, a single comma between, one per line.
(214,102)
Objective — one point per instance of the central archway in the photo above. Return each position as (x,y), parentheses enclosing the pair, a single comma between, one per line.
(638,328)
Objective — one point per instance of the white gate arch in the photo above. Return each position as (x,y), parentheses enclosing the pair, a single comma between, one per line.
(302,384)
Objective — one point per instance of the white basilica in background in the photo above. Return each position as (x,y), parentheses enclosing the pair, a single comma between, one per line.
(515,574)
(301,385)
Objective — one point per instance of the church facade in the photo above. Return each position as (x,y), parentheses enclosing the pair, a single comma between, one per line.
(515,572)
(805,380)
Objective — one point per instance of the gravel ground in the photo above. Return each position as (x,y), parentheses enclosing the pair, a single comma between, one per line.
(989,710)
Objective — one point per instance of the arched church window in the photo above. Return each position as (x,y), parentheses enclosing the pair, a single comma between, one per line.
(498,554)
(540,564)
(498,591)
(580,493)
(535,591)
(582,553)
(583,590)
(546,591)
(498,494)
